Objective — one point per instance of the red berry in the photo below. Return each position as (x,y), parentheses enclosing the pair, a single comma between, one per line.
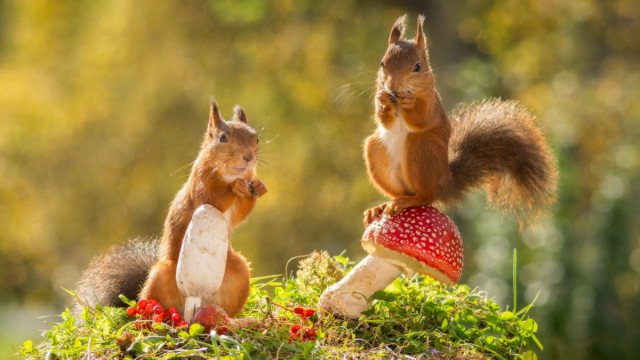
(310,334)
(298,310)
(175,317)
(295,328)
(148,309)
(309,312)
(152,301)
(142,303)
(131,311)
(183,324)
(222,330)
(158,309)
(173,310)
(158,318)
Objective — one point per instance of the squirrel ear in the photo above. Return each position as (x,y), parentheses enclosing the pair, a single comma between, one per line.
(215,120)
(398,29)
(238,114)
(421,38)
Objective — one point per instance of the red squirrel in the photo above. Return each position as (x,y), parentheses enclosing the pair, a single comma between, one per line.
(418,155)
(223,175)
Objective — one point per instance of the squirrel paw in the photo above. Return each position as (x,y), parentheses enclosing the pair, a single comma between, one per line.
(394,207)
(385,99)
(370,215)
(257,188)
(400,203)
(407,102)
(241,187)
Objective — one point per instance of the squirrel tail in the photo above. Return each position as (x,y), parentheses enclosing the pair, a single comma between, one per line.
(497,145)
(123,269)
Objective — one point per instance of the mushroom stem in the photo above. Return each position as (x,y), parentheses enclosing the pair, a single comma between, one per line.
(191,305)
(203,257)
(350,296)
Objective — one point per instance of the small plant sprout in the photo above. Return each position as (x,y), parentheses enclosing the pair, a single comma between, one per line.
(203,257)
(419,239)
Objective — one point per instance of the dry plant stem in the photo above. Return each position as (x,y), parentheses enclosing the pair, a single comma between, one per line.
(203,257)
(349,297)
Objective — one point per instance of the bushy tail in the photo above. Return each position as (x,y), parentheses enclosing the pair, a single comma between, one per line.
(121,270)
(497,145)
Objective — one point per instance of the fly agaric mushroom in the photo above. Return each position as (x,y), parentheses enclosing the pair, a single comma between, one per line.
(419,239)
(203,258)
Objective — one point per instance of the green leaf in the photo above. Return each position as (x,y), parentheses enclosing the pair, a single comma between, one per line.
(383,295)
(507,315)
(344,261)
(27,345)
(195,329)
(445,325)
(126,300)
(369,312)
(538,343)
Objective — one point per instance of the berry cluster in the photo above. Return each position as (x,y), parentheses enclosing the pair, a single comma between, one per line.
(304,313)
(303,334)
(146,310)
(299,332)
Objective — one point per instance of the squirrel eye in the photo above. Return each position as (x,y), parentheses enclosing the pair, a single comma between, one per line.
(416,68)
(222,138)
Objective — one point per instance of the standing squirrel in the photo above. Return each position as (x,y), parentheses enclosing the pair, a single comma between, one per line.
(418,155)
(223,175)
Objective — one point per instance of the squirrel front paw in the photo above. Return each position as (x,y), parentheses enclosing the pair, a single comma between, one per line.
(385,99)
(241,187)
(257,188)
(407,102)
(371,215)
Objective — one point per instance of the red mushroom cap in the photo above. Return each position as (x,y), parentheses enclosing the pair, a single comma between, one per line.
(418,239)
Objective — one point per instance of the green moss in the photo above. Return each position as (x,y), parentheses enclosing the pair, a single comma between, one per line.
(411,317)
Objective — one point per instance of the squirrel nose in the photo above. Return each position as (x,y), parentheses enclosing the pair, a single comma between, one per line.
(248,157)
(395,93)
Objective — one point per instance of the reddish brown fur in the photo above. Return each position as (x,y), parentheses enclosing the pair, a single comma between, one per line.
(214,181)
(493,143)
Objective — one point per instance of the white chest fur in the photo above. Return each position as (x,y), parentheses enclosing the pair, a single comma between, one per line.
(394,139)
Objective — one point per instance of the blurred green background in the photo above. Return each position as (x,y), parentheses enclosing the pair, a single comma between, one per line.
(103,105)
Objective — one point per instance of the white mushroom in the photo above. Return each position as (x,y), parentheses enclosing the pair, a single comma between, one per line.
(420,239)
(203,257)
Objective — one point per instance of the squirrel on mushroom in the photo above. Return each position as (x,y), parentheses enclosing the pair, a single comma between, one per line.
(419,156)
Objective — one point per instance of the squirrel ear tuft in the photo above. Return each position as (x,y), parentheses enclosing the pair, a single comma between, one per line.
(215,120)
(239,114)
(398,29)
(421,38)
